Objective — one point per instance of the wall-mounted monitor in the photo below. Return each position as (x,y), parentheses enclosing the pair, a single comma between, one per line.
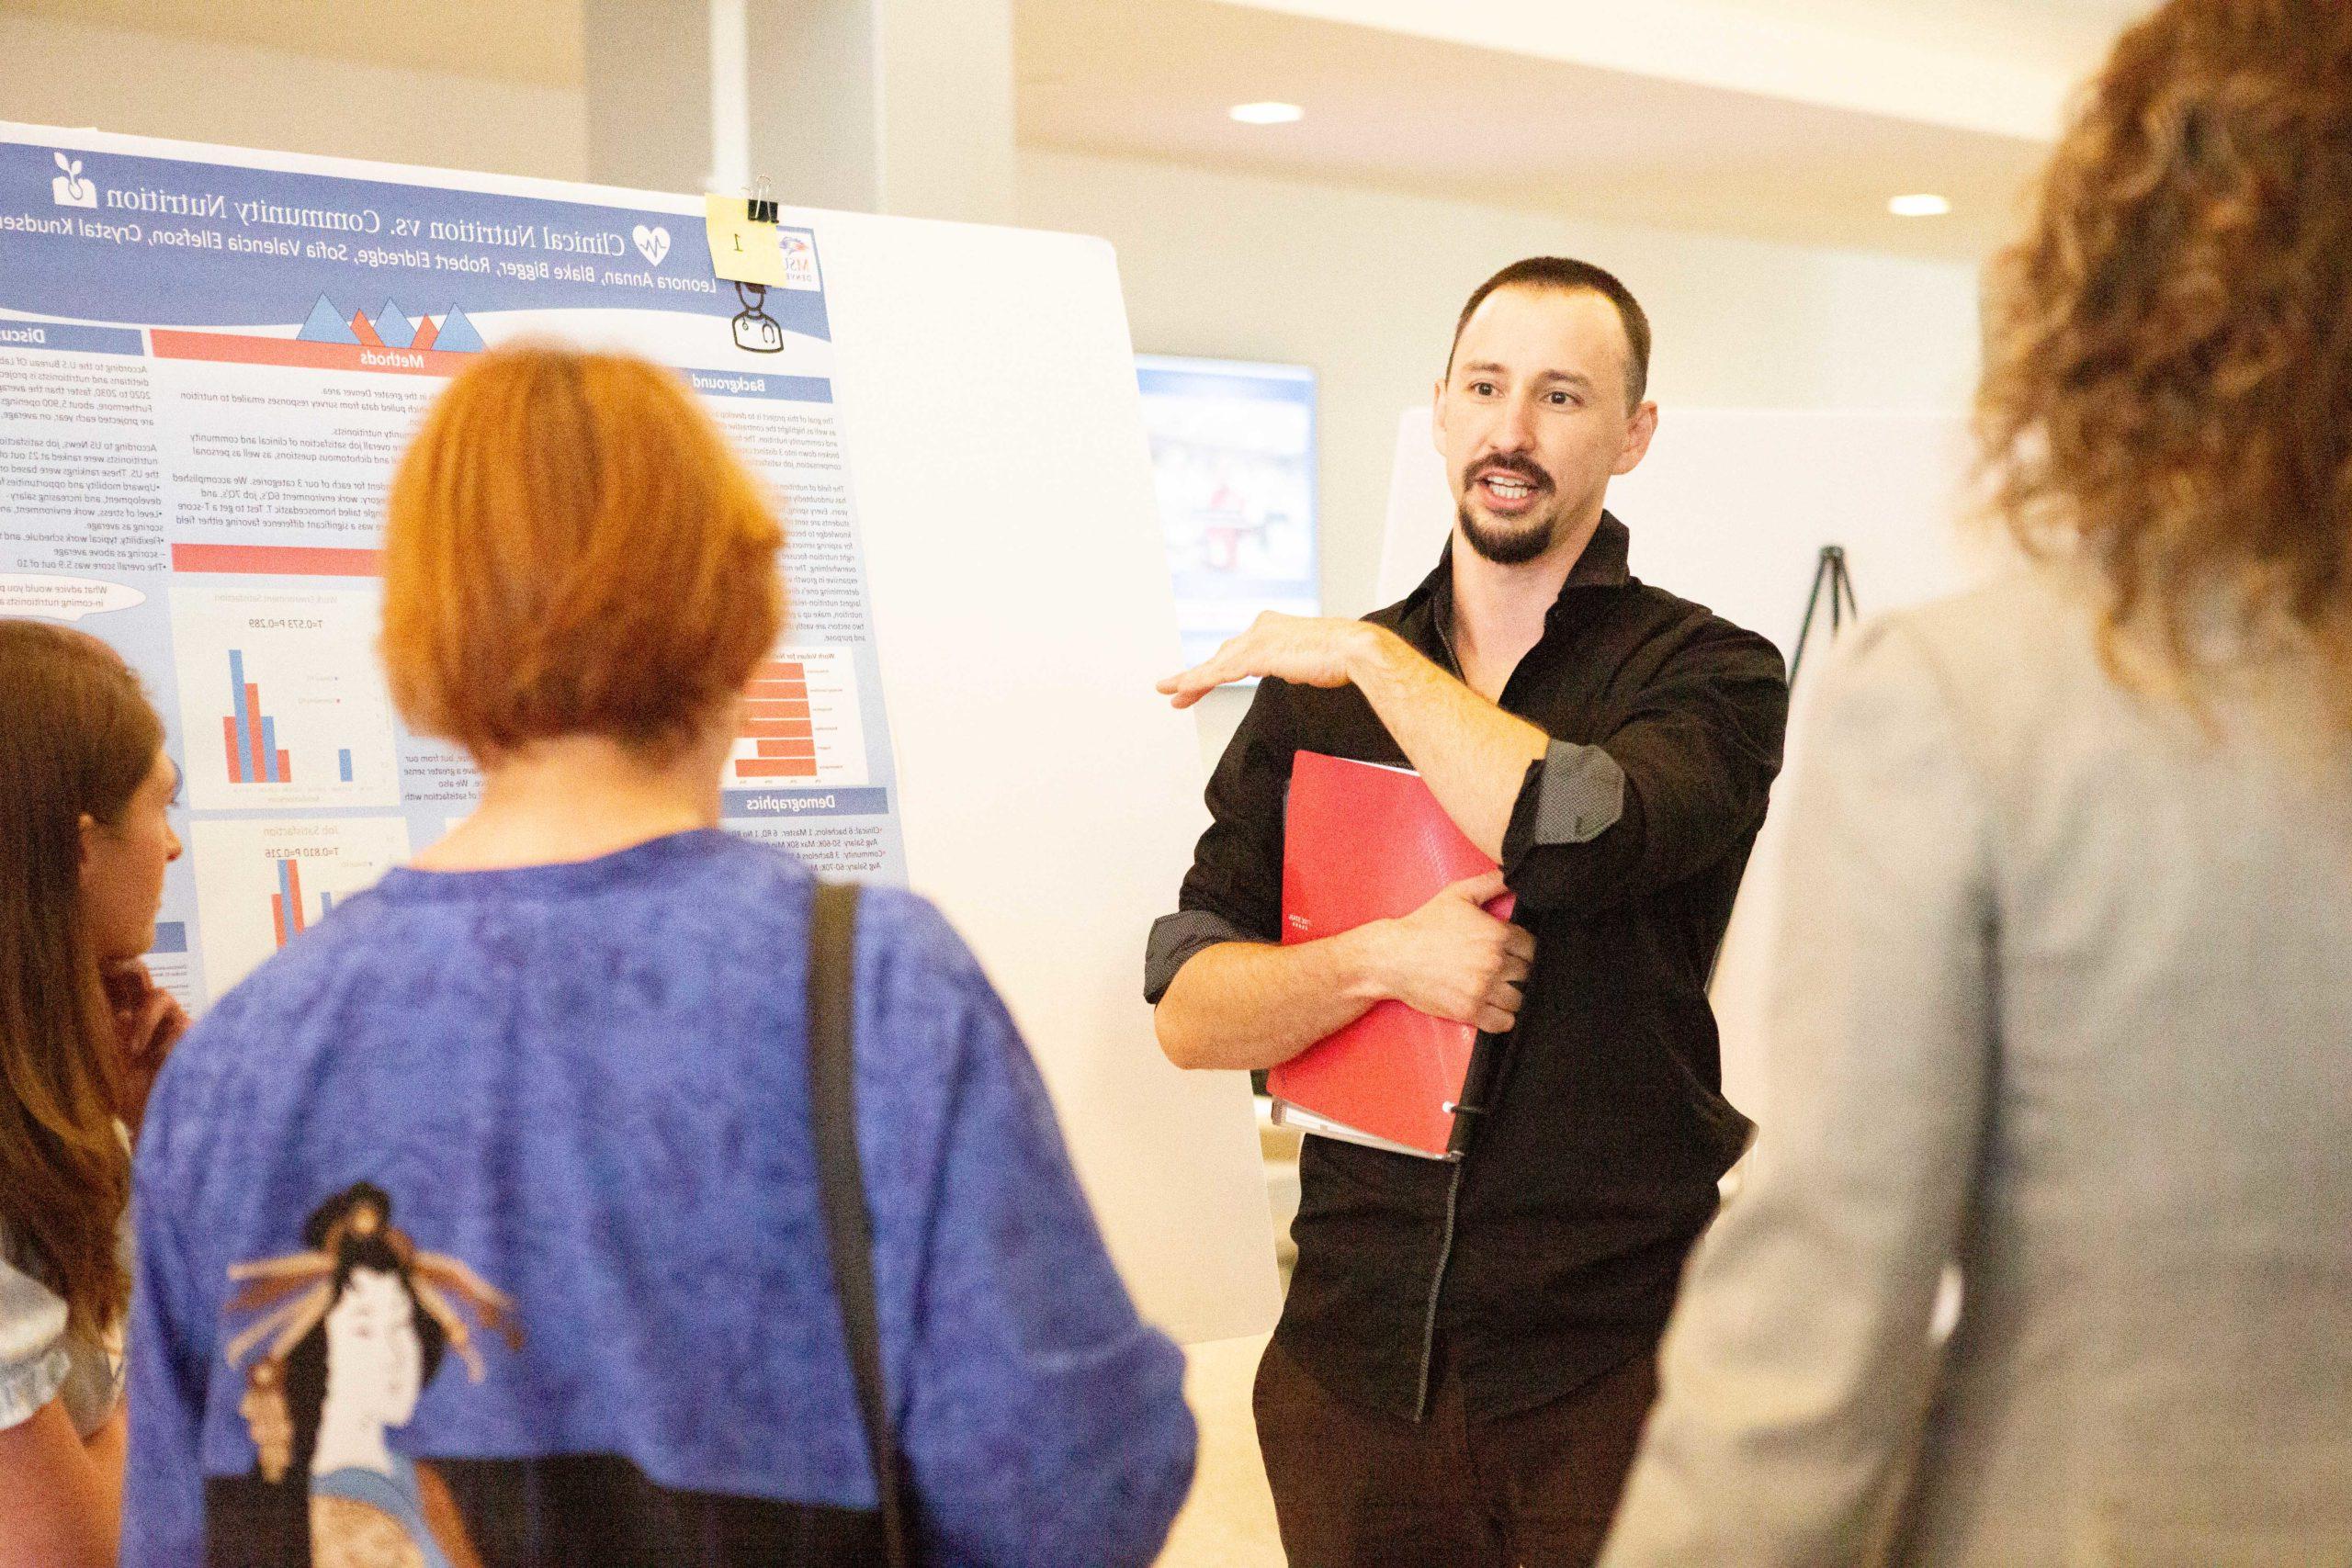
(1233,450)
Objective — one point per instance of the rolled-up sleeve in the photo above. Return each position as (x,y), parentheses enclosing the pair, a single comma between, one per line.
(1799,1364)
(1234,890)
(1680,782)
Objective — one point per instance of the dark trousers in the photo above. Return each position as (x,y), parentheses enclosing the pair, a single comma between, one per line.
(1357,1488)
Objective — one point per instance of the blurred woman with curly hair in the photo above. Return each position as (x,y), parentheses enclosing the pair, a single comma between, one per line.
(2063,993)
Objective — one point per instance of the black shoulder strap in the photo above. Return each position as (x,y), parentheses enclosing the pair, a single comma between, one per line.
(832,1113)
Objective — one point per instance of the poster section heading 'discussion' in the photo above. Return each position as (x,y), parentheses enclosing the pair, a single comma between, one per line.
(209,363)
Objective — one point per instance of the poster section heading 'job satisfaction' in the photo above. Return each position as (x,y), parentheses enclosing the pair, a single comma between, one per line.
(210,362)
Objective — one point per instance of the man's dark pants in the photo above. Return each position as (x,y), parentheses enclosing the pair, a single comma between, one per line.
(1357,1488)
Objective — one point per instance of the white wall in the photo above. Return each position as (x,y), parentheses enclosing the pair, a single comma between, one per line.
(1364,286)
(55,72)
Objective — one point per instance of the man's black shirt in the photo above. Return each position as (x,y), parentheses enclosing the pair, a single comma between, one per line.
(1551,1253)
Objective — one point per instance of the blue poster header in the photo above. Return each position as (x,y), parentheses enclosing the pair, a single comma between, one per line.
(92,234)
(787,804)
(70,339)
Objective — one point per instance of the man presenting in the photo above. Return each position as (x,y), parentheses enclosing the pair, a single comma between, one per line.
(1465,1360)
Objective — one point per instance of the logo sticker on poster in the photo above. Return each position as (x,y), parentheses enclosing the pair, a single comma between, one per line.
(69,188)
(652,242)
(799,260)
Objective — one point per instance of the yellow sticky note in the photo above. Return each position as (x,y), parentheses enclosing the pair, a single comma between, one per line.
(740,250)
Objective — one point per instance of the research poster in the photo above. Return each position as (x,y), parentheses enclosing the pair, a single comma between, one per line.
(210,362)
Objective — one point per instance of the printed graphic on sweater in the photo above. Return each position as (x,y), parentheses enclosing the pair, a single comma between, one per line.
(350,1331)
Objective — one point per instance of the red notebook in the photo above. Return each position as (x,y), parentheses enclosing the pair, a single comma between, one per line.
(1367,842)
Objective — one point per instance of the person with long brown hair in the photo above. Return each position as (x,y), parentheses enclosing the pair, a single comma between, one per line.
(84,841)
(2062,997)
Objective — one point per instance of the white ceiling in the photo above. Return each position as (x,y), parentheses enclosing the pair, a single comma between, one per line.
(1153,78)
(1792,119)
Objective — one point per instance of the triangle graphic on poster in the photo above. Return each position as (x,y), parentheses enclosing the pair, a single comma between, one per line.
(326,324)
(425,332)
(457,335)
(363,332)
(394,327)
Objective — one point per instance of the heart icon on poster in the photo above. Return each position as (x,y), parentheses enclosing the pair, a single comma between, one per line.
(652,243)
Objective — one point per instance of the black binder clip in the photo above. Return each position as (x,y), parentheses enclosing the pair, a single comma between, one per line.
(761,207)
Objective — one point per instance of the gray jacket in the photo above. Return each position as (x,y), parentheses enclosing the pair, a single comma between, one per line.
(2061,995)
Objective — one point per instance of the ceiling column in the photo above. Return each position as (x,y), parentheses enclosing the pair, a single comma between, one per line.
(903,106)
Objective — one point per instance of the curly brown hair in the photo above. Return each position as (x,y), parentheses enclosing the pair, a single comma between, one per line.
(2168,393)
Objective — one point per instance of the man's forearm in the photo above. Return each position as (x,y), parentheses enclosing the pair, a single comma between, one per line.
(1472,754)
(1252,1004)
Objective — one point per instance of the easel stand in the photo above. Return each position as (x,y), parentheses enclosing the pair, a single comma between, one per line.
(1831,576)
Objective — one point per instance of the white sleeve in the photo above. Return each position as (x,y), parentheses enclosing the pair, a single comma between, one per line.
(34,1361)
(1796,1371)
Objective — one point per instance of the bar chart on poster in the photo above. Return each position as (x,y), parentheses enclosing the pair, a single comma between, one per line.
(801,723)
(300,709)
(267,881)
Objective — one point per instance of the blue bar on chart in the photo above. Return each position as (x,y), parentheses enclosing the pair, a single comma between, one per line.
(344,758)
(241,738)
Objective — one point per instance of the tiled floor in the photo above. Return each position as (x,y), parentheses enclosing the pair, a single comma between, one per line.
(1228,1522)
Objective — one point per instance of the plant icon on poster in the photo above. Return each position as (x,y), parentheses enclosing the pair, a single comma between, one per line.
(755,330)
(69,188)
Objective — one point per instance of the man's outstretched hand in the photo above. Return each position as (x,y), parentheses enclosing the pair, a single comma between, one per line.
(1307,650)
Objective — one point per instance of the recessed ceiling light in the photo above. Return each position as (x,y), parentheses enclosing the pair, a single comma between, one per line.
(1921,205)
(1266,114)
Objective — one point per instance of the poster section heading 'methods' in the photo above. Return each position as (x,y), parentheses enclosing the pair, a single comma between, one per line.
(210,361)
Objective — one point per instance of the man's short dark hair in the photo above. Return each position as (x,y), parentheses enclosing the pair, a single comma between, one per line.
(1561,274)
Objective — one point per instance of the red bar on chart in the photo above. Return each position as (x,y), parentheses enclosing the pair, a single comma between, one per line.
(796,690)
(277,916)
(778,670)
(788,747)
(236,762)
(799,709)
(789,767)
(285,774)
(294,895)
(253,706)
(768,729)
